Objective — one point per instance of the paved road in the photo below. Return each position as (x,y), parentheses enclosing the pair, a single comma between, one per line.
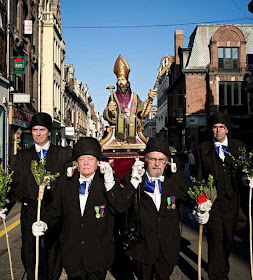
(187,268)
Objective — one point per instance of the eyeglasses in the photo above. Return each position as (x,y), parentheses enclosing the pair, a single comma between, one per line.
(222,127)
(160,160)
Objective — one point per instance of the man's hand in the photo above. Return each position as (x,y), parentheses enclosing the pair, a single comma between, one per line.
(202,218)
(112,108)
(137,171)
(3,213)
(38,229)
(106,169)
(152,93)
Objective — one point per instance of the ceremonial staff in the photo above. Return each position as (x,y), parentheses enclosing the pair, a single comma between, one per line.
(5,180)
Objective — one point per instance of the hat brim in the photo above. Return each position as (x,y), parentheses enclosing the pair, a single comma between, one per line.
(74,158)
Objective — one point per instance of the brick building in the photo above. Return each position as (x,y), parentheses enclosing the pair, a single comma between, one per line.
(206,77)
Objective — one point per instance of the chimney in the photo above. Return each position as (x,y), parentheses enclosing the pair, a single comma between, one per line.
(179,42)
(92,109)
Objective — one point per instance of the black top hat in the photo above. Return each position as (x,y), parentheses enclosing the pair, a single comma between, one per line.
(87,146)
(42,119)
(157,144)
(221,117)
(162,133)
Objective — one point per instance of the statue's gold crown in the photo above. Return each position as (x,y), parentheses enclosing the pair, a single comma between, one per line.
(121,67)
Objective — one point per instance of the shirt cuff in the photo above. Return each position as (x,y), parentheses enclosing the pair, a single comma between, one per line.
(135,182)
(109,185)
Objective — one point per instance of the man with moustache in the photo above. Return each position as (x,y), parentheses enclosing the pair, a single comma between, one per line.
(25,190)
(221,222)
(126,109)
(160,190)
(86,204)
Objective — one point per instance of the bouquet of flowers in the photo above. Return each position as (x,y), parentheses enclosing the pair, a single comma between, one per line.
(203,193)
(245,161)
(5,181)
(41,175)
(43,178)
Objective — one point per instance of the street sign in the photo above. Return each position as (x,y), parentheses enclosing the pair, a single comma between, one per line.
(18,65)
(21,98)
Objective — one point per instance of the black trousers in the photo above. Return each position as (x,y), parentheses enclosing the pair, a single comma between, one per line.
(161,270)
(84,275)
(220,232)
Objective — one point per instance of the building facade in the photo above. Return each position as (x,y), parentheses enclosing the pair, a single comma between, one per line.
(206,77)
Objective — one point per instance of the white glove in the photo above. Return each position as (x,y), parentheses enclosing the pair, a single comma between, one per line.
(38,229)
(71,170)
(202,218)
(2,213)
(251,183)
(106,169)
(137,172)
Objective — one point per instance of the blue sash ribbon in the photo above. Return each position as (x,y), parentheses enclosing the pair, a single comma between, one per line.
(150,186)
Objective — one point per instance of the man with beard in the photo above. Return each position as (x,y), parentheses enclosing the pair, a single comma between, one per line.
(159,192)
(25,189)
(126,109)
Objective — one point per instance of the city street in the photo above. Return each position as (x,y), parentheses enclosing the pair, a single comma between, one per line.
(187,268)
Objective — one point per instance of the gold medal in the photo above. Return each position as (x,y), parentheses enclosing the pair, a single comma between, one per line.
(102,211)
(173,206)
(96,208)
(97,215)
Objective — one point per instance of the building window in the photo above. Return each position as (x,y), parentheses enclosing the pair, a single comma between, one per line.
(230,93)
(228,59)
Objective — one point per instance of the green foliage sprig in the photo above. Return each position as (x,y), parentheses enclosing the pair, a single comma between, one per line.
(245,161)
(203,187)
(41,175)
(5,181)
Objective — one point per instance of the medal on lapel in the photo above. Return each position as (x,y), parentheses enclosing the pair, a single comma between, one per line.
(173,202)
(102,210)
(169,203)
(96,208)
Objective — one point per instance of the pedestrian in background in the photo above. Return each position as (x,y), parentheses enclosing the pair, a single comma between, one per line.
(222,220)
(25,190)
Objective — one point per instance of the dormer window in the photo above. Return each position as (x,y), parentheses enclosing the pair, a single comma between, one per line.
(228,59)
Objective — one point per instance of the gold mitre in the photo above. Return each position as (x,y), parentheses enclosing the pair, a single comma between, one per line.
(121,67)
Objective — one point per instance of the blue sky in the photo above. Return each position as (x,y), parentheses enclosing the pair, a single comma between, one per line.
(94,51)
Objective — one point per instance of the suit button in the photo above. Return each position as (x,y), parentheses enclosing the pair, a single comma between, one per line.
(83,242)
(82,225)
(158,219)
(159,235)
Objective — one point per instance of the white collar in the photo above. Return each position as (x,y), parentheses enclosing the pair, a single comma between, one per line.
(45,147)
(224,143)
(152,179)
(87,180)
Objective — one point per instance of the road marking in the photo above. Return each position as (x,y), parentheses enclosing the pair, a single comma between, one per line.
(10,227)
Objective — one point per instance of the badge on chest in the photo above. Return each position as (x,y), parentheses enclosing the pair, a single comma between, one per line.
(99,211)
(171,202)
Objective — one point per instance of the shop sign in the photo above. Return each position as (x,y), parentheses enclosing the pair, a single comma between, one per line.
(28,27)
(18,65)
(21,118)
(69,131)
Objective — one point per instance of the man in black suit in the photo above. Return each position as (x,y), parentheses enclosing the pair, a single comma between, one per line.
(25,189)
(160,190)
(211,158)
(86,204)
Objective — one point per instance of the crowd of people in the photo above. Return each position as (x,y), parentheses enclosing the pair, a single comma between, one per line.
(77,229)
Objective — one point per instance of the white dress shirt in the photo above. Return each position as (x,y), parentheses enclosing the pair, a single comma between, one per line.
(83,197)
(156,196)
(219,144)
(39,148)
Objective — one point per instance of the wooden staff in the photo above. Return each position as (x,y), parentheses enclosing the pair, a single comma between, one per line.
(9,250)
(250,232)
(200,250)
(40,197)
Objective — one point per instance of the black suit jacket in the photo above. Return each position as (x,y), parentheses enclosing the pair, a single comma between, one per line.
(86,239)
(25,189)
(159,229)
(227,176)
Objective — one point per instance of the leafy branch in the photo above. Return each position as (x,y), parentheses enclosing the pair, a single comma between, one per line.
(5,181)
